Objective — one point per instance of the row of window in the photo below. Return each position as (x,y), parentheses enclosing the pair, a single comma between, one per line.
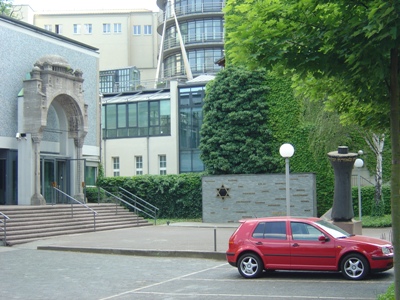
(162,163)
(277,231)
(120,80)
(201,61)
(137,119)
(108,28)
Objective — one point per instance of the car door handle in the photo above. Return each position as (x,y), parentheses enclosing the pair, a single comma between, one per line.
(295,245)
(259,243)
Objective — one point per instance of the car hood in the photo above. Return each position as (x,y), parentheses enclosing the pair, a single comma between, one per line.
(368,240)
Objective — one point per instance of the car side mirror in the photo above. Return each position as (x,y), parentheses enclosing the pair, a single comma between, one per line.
(323,238)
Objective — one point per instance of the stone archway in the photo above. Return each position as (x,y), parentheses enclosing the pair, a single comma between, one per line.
(53,84)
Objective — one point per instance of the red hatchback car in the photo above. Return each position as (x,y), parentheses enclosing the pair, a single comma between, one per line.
(313,244)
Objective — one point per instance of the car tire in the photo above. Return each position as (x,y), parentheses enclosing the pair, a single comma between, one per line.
(354,266)
(250,265)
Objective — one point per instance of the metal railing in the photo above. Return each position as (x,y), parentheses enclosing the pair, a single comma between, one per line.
(3,227)
(205,37)
(75,201)
(133,202)
(195,8)
(363,181)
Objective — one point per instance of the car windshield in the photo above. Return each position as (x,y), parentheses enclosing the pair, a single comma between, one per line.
(333,230)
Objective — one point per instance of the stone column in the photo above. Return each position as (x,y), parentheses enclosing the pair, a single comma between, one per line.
(79,195)
(37,198)
(342,210)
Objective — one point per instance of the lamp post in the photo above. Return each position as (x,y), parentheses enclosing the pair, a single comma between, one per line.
(287,151)
(358,164)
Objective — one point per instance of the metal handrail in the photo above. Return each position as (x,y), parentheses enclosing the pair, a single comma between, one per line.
(215,37)
(4,228)
(190,10)
(80,203)
(364,181)
(136,209)
(142,203)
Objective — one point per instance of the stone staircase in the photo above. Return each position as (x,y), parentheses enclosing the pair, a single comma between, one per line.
(30,223)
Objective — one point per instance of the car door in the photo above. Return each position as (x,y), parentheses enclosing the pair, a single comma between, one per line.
(271,239)
(307,251)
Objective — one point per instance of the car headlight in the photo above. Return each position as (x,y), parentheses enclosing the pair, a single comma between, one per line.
(385,250)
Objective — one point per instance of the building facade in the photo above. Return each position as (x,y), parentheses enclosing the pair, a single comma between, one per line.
(49,133)
(125,38)
(154,131)
(192,37)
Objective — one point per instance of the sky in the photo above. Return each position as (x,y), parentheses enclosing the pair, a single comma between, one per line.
(51,5)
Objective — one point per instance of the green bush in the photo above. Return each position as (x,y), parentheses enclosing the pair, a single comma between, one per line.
(176,196)
(368,207)
(389,295)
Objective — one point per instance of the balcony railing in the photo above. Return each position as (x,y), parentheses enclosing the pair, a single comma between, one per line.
(195,8)
(215,37)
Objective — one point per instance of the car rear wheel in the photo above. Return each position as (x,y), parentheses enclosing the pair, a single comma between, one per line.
(354,266)
(250,266)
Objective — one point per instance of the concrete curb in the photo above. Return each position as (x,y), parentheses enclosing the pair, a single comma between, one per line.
(155,253)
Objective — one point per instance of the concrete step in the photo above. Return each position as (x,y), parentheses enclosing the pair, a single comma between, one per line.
(29,223)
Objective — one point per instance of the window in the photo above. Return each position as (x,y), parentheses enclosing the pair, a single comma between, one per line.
(58,28)
(106,28)
(139,165)
(137,119)
(90,176)
(190,122)
(163,164)
(77,28)
(147,29)
(117,28)
(48,27)
(270,230)
(116,166)
(88,29)
(304,232)
(136,29)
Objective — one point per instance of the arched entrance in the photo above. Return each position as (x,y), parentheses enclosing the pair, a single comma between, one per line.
(54,125)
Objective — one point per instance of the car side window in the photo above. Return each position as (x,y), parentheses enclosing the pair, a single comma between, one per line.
(271,230)
(259,231)
(304,232)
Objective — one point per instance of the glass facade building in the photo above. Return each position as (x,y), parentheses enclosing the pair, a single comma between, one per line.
(138,114)
(119,80)
(190,121)
(201,25)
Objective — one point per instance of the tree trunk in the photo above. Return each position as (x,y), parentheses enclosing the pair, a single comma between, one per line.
(376,143)
(395,179)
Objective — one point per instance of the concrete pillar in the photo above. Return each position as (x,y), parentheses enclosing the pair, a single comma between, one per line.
(342,210)
(37,197)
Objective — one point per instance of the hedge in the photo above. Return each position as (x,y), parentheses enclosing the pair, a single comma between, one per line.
(180,196)
(176,196)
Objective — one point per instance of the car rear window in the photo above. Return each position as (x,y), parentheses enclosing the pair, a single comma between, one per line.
(270,230)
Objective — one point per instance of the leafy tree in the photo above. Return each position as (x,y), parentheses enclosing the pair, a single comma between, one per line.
(355,43)
(6,7)
(235,137)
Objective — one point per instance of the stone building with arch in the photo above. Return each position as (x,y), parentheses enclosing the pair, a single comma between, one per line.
(50,114)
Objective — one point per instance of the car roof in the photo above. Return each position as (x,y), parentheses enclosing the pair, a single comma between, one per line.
(279,218)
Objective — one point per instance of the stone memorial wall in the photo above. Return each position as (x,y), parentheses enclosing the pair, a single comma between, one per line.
(230,198)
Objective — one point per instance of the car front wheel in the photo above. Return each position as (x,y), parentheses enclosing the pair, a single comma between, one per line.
(250,266)
(354,266)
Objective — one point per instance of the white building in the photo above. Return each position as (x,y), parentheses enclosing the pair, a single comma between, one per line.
(125,38)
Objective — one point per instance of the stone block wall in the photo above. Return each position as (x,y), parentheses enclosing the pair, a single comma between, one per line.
(230,198)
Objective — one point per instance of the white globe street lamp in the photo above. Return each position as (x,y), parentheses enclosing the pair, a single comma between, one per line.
(358,164)
(287,151)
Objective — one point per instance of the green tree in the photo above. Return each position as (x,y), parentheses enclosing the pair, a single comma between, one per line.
(235,137)
(355,43)
(6,7)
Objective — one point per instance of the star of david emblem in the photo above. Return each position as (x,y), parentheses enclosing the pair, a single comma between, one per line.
(223,192)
